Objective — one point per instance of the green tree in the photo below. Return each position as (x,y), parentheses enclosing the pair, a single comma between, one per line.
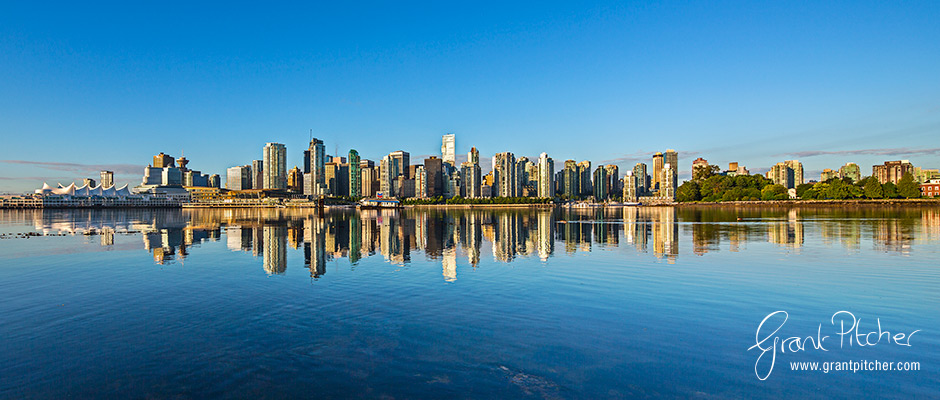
(801,189)
(688,191)
(873,189)
(891,191)
(774,192)
(907,188)
(703,173)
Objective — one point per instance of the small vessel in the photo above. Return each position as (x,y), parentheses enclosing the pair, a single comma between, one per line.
(379,204)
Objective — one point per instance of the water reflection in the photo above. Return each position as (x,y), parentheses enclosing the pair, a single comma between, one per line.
(455,235)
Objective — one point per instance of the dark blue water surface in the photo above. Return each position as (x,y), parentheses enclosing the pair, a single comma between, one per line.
(591,304)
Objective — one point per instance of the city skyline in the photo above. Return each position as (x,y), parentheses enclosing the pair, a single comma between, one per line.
(610,83)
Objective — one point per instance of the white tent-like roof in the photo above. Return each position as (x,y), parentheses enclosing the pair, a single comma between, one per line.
(84,191)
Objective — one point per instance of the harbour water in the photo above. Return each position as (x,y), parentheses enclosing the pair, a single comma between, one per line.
(648,302)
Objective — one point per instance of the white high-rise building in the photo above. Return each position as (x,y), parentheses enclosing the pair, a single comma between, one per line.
(546,178)
(449,149)
(275,166)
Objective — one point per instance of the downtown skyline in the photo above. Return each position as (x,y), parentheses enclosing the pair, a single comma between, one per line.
(613,83)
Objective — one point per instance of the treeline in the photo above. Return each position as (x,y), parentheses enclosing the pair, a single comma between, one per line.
(462,200)
(867,188)
(716,188)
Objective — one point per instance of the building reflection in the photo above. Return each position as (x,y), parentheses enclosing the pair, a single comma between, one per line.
(463,238)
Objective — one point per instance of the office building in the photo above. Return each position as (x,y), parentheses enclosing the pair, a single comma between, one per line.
(274,167)
(215,181)
(314,180)
(238,178)
(434,169)
(668,182)
(88,182)
(630,186)
(571,180)
(657,170)
(546,179)
(505,176)
(107,179)
(355,174)
(257,174)
(613,179)
(642,179)
(788,173)
(584,170)
(600,184)
(449,150)
(295,180)
(851,171)
(892,171)
(163,161)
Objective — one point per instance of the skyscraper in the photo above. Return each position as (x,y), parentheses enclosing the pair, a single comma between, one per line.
(275,166)
(257,174)
(630,187)
(433,169)
(448,149)
(238,178)
(657,170)
(473,156)
(314,183)
(295,180)
(504,175)
(571,181)
(107,179)
(600,183)
(672,158)
(393,166)
(355,176)
(546,176)
(892,171)
(849,170)
(642,179)
(788,173)
(613,179)
(584,170)
(667,183)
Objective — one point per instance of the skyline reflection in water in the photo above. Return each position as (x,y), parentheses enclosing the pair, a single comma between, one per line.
(468,235)
(636,302)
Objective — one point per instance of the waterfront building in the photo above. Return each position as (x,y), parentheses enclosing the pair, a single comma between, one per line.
(215,181)
(657,170)
(571,180)
(699,163)
(107,178)
(421,182)
(257,174)
(274,167)
(600,184)
(546,181)
(434,169)
(393,166)
(238,178)
(788,173)
(630,187)
(472,180)
(613,179)
(584,171)
(668,182)
(315,160)
(930,188)
(671,157)
(448,149)
(88,182)
(828,174)
(163,161)
(355,174)
(851,171)
(642,179)
(924,175)
(892,171)
(505,175)
(295,180)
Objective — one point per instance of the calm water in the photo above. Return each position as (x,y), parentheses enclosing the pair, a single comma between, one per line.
(622,303)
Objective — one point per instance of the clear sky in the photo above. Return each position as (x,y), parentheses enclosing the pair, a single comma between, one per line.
(91,86)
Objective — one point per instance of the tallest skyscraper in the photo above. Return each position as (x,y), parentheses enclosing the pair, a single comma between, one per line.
(449,149)
(314,180)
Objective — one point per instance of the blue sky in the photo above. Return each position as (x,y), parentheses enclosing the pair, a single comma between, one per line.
(89,86)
